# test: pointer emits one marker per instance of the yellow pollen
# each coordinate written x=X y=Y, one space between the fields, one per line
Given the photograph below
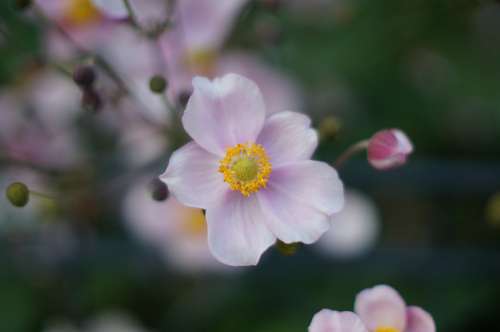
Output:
x=386 y=329
x=246 y=168
x=81 y=12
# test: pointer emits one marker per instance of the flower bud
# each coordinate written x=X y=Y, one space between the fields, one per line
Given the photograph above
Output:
x=159 y=190
x=18 y=194
x=388 y=149
x=287 y=249
x=91 y=100
x=329 y=127
x=158 y=84
x=493 y=210
x=22 y=4
x=183 y=98
x=84 y=76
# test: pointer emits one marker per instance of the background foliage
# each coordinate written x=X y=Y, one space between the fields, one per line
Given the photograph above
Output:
x=430 y=67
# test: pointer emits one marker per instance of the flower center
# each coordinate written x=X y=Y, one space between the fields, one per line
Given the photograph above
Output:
x=246 y=168
x=386 y=329
x=81 y=12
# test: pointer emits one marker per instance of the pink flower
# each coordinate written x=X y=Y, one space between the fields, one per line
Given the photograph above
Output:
x=253 y=175
x=193 y=47
x=388 y=149
x=335 y=321
x=378 y=309
x=80 y=19
x=382 y=309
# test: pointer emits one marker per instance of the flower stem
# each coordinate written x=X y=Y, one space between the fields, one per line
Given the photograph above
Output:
x=42 y=195
x=351 y=151
x=132 y=16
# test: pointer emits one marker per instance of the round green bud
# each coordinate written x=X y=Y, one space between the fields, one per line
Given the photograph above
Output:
x=329 y=127
x=287 y=249
x=18 y=194
x=158 y=84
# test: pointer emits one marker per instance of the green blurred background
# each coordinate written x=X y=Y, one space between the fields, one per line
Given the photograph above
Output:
x=430 y=67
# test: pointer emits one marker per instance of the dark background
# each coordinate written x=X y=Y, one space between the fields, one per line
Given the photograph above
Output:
x=430 y=67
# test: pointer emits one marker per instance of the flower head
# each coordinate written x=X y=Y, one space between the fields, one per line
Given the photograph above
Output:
x=377 y=309
x=252 y=174
x=388 y=149
x=382 y=309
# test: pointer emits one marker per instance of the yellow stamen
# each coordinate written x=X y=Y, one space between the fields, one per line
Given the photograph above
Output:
x=80 y=12
x=386 y=329
x=246 y=168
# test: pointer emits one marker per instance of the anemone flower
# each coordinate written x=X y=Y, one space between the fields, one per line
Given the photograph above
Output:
x=382 y=309
x=253 y=175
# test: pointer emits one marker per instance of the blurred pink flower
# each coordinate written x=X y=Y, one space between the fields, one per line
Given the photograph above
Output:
x=382 y=309
x=37 y=115
x=193 y=47
x=388 y=149
x=253 y=175
x=112 y=321
x=177 y=231
x=80 y=19
x=334 y=321
x=354 y=229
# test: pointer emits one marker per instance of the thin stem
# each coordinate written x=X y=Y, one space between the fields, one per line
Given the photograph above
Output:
x=351 y=151
x=132 y=16
x=99 y=60
x=42 y=195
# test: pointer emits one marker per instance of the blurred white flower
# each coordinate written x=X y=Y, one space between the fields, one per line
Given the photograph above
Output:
x=177 y=231
x=107 y=322
x=37 y=119
x=354 y=229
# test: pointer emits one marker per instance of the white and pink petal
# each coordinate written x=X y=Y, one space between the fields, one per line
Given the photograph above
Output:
x=192 y=176
x=237 y=232
x=299 y=199
x=312 y=183
x=381 y=307
x=419 y=320
x=288 y=137
x=224 y=112
x=334 y=321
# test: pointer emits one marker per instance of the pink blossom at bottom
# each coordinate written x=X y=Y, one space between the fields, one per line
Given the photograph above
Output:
x=334 y=321
x=383 y=307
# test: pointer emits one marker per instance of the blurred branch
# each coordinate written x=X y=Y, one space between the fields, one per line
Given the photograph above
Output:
x=351 y=151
